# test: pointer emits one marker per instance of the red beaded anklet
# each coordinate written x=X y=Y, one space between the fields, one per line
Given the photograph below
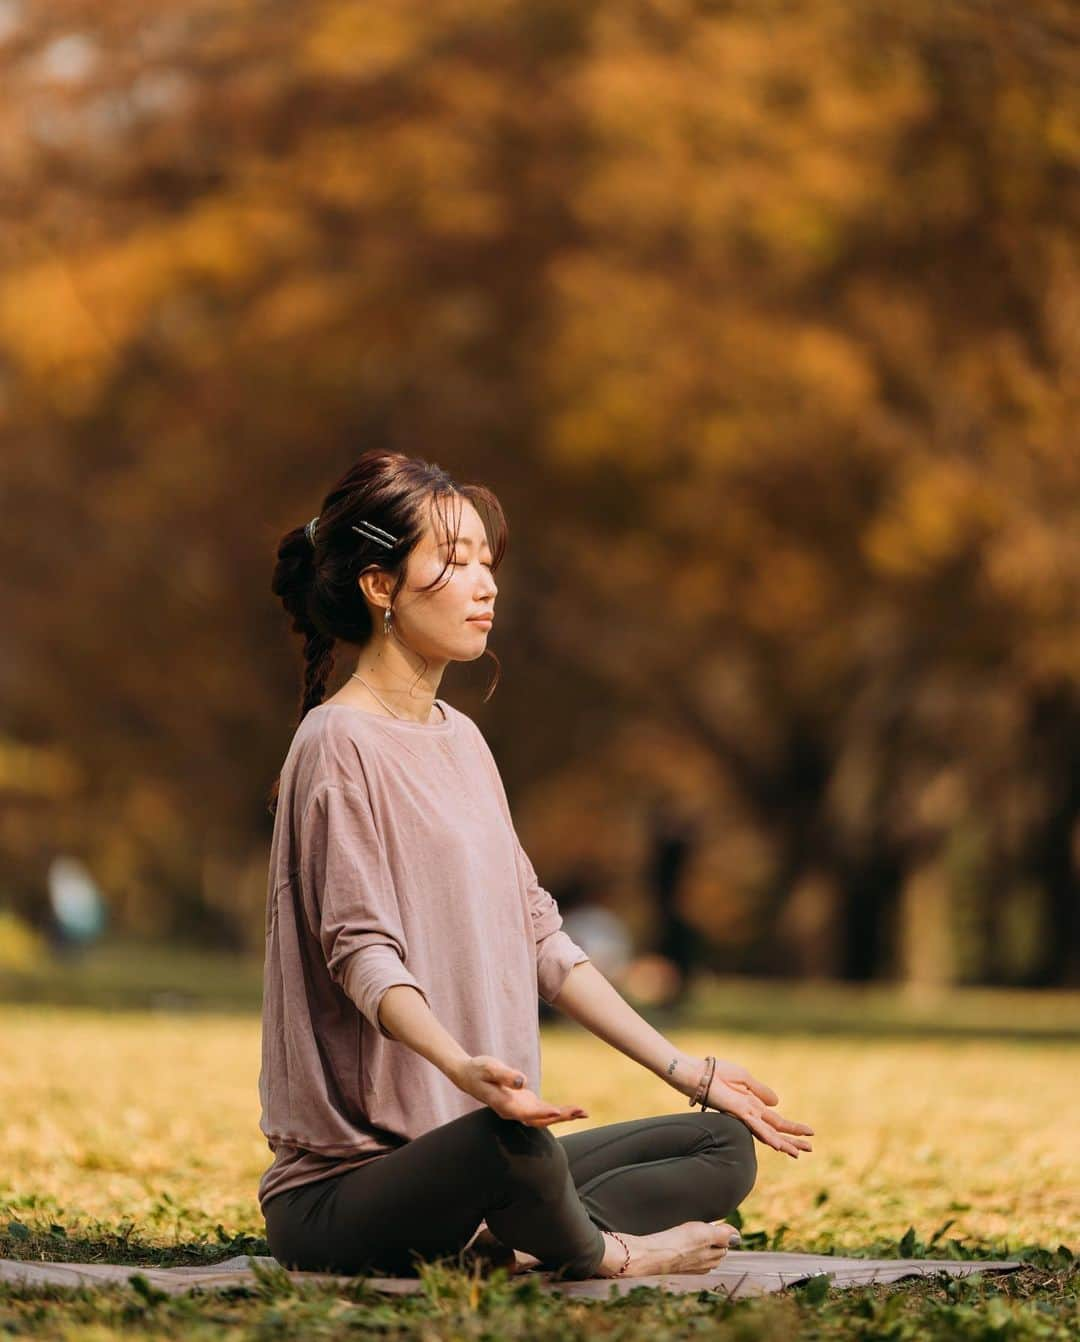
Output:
x=623 y=1242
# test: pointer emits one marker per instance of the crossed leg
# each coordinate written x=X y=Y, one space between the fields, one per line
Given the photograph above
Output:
x=646 y=1174
x=549 y=1196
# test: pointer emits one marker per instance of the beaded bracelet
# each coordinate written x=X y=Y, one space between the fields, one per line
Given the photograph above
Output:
x=701 y=1092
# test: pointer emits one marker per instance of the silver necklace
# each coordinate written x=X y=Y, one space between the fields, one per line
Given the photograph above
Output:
x=354 y=676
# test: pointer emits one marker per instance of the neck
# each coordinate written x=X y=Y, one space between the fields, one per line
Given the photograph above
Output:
x=385 y=676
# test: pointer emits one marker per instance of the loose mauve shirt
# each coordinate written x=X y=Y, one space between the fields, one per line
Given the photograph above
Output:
x=394 y=859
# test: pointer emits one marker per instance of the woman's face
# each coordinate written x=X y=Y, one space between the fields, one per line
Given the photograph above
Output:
x=438 y=624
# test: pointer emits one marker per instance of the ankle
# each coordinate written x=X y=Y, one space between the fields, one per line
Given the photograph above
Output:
x=616 y=1259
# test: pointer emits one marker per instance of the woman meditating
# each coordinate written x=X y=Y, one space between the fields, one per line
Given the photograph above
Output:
x=407 y=938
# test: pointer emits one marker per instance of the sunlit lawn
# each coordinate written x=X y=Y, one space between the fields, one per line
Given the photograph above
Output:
x=135 y=1134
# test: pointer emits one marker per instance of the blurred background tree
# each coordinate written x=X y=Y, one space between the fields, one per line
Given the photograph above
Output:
x=762 y=320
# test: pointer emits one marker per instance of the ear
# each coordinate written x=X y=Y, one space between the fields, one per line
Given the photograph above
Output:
x=376 y=584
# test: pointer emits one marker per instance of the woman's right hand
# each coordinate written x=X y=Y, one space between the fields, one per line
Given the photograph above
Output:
x=503 y=1088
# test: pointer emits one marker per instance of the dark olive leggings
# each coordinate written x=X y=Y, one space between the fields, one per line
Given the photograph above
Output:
x=546 y=1195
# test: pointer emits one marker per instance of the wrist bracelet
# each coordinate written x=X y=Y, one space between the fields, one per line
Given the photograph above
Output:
x=701 y=1091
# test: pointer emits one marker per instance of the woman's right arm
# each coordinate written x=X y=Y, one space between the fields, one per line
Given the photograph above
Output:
x=404 y=1015
x=352 y=908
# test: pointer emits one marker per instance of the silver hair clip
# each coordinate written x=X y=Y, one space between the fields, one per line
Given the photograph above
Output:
x=379 y=534
x=309 y=530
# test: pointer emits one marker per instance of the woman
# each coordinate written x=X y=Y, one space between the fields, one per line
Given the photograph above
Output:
x=407 y=937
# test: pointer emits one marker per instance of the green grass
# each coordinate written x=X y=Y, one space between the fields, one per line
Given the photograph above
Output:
x=145 y=976
x=1032 y=1304
x=151 y=976
x=944 y=1128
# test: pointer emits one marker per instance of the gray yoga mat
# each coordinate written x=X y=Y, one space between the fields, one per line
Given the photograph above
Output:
x=742 y=1273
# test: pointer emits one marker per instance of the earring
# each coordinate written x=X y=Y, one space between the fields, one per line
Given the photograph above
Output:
x=386 y=622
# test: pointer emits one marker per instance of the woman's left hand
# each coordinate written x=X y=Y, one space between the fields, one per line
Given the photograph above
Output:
x=735 y=1090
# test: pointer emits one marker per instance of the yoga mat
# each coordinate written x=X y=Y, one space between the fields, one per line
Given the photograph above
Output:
x=743 y=1272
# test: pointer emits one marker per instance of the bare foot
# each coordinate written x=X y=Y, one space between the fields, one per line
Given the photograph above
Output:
x=693 y=1246
x=488 y=1252
x=524 y=1262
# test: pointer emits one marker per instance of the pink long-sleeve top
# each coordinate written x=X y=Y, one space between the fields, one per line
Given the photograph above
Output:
x=394 y=859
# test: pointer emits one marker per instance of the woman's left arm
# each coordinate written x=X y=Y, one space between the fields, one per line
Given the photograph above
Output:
x=565 y=978
x=594 y=1001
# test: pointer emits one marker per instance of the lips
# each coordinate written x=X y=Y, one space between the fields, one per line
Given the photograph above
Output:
x=481 y=619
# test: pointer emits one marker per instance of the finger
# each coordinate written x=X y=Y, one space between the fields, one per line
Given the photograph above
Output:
x=541 y=1115
x=765 y=1093
x=751 y=1087
x=534 y=1106
x=503 y=1075
x=510 y=1076
x=786 y=1124
x=769 y=1135
x=532 y=1113
x=800 y=1142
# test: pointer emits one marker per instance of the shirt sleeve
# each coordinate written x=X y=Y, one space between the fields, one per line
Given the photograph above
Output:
x=556 y=953
x=350 y=900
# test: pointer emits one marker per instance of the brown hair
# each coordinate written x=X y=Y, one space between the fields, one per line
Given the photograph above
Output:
x=318 y=584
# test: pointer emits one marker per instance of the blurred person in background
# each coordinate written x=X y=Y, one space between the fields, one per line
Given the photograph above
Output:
x=76 y=907
x=591 y=923
x=673 y=838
